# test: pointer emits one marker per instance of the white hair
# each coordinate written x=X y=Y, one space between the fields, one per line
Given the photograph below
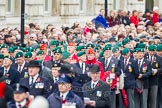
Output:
x=39 y=102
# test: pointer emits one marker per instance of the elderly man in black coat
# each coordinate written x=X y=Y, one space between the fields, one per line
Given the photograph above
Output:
x=97 y=93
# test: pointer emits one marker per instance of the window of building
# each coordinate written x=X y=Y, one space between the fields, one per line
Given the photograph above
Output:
x=81 y=5
x=46 y=5
x=8 y=5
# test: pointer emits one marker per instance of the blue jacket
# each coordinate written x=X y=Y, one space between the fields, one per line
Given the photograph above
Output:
x=131 y=72
x=44 y=90
x=55 y=100
x=100 y=21
x=12 y=77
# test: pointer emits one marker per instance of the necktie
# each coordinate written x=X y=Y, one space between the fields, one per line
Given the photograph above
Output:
x=20 y=69
x=139 y=64
x=32 y=81
x=106 y=61
x=151 y=59
x=19 y=105
x=55 y=80
x=125 y=63
x=93 y=85
x=5 y=72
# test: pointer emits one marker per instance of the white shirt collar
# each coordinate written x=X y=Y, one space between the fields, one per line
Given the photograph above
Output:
x=22 y=103
x=94 y=83
x=64 y=95
x=21 y=65
x=35 y=77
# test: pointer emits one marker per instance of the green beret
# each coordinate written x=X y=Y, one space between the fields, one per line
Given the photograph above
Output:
x=65 y=55
x=152 y=48
x=125 y=51
x=101 y=54
x=140 y=49
x=53 y=42
x=119 y=44
x=91 y=45
x=80 y=54
x=19 y=48
x=8 y=57
x=1 y=56
x=4 y=46
x=57 y=50
x=29 y=49
x=79 y=48
x=40 y=52
x=141 y=45
x=61 y=43
x=108 y=45
x=18 y=55
x=125 y=41
x=11 y=50
x=159 y=47
x=115 y=49
x=28 y=55
x=135 y=50
x=39 y=61
x=96 y=50
x=107 y=48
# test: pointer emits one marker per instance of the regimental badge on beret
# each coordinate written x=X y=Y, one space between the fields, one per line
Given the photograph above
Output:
x=17 y=87
x=55 y=65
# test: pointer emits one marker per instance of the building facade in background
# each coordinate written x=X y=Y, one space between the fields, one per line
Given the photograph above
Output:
x=58 y=12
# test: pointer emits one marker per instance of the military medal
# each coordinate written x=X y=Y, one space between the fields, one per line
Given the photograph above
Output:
x=8 y=81
x=99 y=93
x=113 y=68
x=157 y=65
x=41 y=85
x=130 y=69
x=26 y=75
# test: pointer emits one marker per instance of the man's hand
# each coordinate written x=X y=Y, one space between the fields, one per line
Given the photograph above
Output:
x=154 y=71
x=140 y=76
x=92 y=103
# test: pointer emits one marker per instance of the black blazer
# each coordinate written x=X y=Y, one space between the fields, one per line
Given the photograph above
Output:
x=12 y=76
x=24 y=70
x=101 y=94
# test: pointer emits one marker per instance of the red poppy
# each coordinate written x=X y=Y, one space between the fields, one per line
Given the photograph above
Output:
x=38 y=80
x=63 y=101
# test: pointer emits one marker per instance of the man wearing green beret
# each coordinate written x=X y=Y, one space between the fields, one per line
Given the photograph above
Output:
x=159 y=53
x=80 y=48
x=52 y=44
x=135 y=53
x=130 y=68
x=57 y=57
x=81 y=69
x=40 y=55
x=4 y=49
x=20 y=64
x=28 y=57
x=11 y=51
x=144 y=66
x=116 y=52
x=125 y=42
x=66 y=57
x=110 y=64
x=12 y=75
x=1 y=59
x=156 y=65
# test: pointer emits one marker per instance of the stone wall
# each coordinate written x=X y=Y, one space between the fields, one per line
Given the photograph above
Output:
x=63 y=11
